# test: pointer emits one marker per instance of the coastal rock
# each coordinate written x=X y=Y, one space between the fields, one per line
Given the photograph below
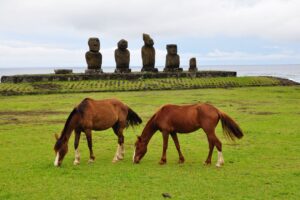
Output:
x=122 y=57
x=172 y=59
x=148 y=54
x=63 y=71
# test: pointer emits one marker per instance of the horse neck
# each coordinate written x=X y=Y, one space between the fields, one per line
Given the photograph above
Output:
x=148 y=131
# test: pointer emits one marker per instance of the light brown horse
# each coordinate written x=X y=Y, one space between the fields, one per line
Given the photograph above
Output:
x=95 y=115
x=173 y=119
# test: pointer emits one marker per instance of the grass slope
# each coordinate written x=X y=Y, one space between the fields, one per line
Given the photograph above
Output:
x=134 y=85
x=265 y=164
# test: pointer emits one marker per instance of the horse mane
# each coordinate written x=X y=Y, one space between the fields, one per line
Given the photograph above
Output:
x=149 y=129
x=64 y=131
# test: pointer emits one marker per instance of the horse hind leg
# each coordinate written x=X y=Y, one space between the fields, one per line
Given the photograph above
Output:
x=214 y=141
x=88 y=134
x=76 y=144
x=118 y=130
x=220 y=161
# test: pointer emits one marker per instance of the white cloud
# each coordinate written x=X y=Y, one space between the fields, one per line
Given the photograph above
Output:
x=19 y=54
x=32 y=32
x=271 y=19
x=240 y=56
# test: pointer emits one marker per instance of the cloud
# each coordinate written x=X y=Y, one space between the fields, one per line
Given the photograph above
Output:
x=239 y=57
x=268 y=19
x=20 y=54
x=37 y=33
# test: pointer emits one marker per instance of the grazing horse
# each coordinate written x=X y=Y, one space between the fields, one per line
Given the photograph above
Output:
x=95 y=115
x=173 y=119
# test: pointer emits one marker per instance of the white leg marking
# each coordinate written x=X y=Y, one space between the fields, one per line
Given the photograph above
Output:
x=122 y=150
x=119 y=153
x=220 y=159
x=56 y=159
x=77 y=157
x=133 y=156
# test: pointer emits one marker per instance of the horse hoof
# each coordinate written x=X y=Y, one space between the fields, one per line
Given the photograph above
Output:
x=117 y=158
x=91 y=161
x=207 y=163
x=120 y=157
x=218 y=165
x=181 y=161
x=76 y=162
x=162 y=162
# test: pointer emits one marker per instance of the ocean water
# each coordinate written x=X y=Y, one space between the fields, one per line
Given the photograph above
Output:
x=291 y=72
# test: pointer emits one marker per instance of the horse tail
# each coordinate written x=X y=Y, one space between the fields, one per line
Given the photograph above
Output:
x=133 y=118
x=230 y=128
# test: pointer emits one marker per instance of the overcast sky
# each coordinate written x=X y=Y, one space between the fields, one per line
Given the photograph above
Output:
x=54 y=33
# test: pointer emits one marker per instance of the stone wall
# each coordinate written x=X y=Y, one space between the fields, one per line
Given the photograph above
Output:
x=108 y=76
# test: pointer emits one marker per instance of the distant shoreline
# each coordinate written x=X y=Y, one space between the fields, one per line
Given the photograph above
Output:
x=289 y=71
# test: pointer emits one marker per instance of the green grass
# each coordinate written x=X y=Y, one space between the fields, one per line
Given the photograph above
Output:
x=265 y=164
x=133 y=85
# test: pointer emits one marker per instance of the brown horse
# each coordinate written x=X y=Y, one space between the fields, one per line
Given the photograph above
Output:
x=95 y=115
x=173 y=119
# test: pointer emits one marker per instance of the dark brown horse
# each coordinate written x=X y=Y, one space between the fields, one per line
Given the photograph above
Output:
x=173 y=119
x=95 y=115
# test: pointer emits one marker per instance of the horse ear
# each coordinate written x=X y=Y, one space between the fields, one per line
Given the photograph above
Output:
x=56 y=136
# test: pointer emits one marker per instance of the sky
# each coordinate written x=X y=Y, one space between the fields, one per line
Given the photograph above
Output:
x=54 y=33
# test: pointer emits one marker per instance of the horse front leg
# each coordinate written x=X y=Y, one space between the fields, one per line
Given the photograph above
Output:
x=76 y=144
x=119 y=155
x=175 y=139
x=163 y=159
x=88 y=134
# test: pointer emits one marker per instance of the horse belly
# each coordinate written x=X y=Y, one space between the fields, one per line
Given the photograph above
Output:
x=103 y=123
x=184 y=126
x=187 y=130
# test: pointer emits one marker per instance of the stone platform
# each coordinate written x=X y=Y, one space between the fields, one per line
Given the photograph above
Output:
x=115 y=76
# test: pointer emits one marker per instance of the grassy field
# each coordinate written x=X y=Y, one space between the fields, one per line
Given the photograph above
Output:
x=135 y=85
x=265 y=164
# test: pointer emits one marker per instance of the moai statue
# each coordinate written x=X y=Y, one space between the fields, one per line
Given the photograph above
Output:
x=148 y=54
x=172 y=59
x=193 y=65
x=93 y=56
x=122 y=57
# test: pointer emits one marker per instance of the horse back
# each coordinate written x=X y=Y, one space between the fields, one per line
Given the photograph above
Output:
x=175 y=118
x=101 y=114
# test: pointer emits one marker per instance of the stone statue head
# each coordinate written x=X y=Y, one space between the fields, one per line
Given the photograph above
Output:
x=148 y=40
x=172 y=49
x=94 y=44
x=193 y=62
x=122 y=44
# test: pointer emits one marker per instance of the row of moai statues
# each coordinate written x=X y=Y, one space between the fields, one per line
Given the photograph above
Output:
x=122 y=57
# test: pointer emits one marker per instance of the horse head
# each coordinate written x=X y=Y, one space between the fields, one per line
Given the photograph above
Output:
x=140 y=150
x=60 y=149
